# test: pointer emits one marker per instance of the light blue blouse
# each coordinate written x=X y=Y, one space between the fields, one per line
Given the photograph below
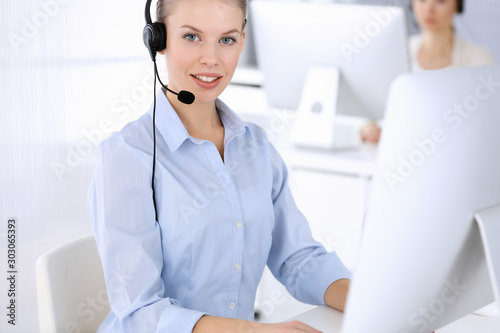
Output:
x=220 y=223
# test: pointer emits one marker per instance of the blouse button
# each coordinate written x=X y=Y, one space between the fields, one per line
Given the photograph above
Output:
x=232 y=306
x=237 y=266
x=239 y=224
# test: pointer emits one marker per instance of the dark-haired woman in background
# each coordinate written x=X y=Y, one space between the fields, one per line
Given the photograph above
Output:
x=437 y=47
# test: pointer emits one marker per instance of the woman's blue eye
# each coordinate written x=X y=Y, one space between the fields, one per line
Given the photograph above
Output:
x=191 y=37
x=228 y=40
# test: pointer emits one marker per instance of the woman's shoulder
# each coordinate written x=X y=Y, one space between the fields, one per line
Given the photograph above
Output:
x=414 y=41
x=257 y=132
x=472 y=54
x=235 y=122
x=135 y=135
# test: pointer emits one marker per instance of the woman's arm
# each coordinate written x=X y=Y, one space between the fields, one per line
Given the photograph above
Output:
x=296 y=259
x=336 y=294
x=370 y=133
x=335 y=297
x=130 y=244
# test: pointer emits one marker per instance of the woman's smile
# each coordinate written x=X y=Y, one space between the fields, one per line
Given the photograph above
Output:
x=206 y=80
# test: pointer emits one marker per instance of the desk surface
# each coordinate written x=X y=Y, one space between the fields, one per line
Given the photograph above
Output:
x=360 y=161
x=322 y=318
x=329 y=320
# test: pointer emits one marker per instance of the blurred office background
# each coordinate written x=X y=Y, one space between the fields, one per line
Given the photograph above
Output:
x=74 y=71
x=477 y=23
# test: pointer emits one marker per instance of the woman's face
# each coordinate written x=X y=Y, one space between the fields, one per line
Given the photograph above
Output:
x=204 y=42
x=434 y=15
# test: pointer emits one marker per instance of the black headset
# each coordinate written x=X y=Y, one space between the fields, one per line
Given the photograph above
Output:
x=154 y=36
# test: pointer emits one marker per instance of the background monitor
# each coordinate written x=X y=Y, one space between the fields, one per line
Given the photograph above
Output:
x=368 y=44
x=422 y=264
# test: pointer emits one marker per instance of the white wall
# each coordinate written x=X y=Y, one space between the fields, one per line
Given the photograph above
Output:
x=72 y=71
x=481 y=24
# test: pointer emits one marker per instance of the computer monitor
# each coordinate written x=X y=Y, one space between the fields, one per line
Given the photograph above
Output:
x=422 y=261
x=367 y=44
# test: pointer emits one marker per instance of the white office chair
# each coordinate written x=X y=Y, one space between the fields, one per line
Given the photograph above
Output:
x=71 y=290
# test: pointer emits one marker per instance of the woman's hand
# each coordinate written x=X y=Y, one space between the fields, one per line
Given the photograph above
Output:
x=370 y=133
x=212 y=324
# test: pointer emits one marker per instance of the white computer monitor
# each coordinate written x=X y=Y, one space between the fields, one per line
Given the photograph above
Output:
x=422 y=262
x=367 y=44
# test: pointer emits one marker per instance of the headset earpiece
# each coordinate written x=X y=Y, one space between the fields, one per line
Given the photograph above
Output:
x=154 y=35
x=155 y=38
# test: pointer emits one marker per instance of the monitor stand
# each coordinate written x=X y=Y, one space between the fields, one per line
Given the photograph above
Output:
x=317 y=123
x=488 y=221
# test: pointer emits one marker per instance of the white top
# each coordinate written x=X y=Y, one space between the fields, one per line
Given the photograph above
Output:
x=465 y=54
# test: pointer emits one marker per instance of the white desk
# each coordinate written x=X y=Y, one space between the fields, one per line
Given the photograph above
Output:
x=329 y=320
x=322 y=318
x=359 y=162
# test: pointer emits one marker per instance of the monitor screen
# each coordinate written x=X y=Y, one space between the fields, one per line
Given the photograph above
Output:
x=422 y=263
x=367 y=44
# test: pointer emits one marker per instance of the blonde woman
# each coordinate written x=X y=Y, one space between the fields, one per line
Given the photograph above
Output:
x=223 y=206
